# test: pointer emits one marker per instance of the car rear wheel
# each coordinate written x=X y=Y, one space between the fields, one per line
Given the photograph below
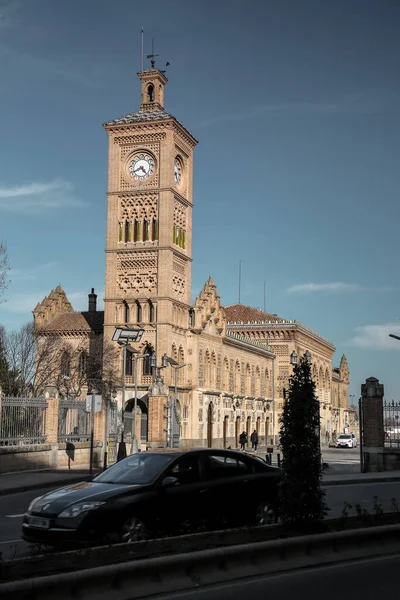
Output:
x=132 y=530
x=265 y=514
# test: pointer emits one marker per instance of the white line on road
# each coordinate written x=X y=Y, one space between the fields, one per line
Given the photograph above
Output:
x=11 y=542
x=14 y=516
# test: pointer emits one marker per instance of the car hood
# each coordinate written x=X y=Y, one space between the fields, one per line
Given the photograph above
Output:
x=53 y=503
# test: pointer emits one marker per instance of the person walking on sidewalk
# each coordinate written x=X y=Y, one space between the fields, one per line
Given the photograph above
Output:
x=327 y=437
x=254 y=440
x=243 y=440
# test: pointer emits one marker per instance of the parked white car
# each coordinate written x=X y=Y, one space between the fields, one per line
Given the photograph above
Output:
x=346 y=440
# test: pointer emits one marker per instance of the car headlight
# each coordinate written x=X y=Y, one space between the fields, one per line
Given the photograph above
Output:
x=77 y=509
x=32 y=504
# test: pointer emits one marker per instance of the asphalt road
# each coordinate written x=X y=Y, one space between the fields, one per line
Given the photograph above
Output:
x=13 y=506
x=371 y=579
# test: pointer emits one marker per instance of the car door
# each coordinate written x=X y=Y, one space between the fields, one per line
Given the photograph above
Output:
x=181 y=502
x=227 y=476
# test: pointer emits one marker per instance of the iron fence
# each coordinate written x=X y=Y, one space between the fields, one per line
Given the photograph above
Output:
x=391 y=423
x=73 y=421
x=22 y=421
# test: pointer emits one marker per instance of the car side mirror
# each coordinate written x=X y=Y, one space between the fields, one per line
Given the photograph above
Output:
x=169 y=482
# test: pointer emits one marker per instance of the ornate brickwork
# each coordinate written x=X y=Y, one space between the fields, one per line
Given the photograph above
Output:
x=179 y=214
x=138 y=273
x=179 y=265
x=178 y=286
x=138 y=206
x=134 y=140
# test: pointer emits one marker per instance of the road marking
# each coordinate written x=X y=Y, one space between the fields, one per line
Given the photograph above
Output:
x=14 y=516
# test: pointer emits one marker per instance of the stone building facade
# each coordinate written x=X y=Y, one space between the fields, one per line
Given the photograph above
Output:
x=237 y=359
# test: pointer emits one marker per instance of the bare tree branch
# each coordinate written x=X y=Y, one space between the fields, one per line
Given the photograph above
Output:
x=4 y=269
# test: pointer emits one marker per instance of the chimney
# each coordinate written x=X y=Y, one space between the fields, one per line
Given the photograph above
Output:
x=92 y=301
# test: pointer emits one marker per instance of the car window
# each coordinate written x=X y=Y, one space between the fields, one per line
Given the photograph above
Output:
x=344 y=436
x=186 y=470
x=226 y=466
x=136 y=469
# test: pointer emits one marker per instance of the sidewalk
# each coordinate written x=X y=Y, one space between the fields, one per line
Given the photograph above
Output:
x=24 y=481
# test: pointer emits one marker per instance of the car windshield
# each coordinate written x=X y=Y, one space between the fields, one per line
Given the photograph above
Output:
x=138 y=468
x=344 y=437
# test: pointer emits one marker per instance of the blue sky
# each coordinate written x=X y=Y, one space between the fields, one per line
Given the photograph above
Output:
x=295 y=105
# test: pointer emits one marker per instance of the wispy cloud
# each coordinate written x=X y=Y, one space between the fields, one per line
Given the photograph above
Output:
x=32 y=273
x=364 y=102
x=376 y=337
x=37 y=196
x=337 y=287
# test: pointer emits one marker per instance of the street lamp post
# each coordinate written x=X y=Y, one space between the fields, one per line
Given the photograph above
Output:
x=135 y=358
x=165 y=362
x=123 y=336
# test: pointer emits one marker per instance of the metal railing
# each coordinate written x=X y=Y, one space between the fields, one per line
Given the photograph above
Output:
x=391 y=424
x=22 y=421
x=73 y=421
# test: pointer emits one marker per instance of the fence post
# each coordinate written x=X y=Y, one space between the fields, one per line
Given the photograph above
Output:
x=52 y=421
x=372 y=421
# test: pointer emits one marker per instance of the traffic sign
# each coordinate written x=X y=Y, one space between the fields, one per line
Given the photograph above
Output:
x=97 y=403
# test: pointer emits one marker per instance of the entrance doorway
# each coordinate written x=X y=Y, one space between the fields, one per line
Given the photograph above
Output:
x=210 y=425
x=248 y=427
x=225 y=431
x=237 y=431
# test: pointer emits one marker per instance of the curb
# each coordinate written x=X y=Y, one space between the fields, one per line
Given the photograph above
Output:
x=183 y=572
x=39 y=486
x=360 y=481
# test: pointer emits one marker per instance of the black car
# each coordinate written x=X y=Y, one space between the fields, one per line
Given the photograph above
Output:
x=153 y=493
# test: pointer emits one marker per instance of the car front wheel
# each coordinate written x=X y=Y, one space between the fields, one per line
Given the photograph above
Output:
x=132 y=530
x=265 y=514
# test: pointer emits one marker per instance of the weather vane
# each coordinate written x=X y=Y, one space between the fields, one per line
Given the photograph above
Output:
x=153 y=55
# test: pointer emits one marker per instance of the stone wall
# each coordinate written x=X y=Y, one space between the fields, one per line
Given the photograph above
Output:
x=48 y=456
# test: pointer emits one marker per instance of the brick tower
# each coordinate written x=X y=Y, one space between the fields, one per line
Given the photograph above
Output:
x=149 y=220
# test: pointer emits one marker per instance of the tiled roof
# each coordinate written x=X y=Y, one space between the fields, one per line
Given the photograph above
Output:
x=77 y=321
x=141 y=115
x=240 y=313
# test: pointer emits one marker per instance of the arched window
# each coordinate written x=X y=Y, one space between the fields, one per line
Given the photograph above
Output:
x=151 y=312
x=225 y=376
x=138 y=312
x=128 y=364
x=126 y=311
x=207 y=369
x=237 y=377
x=248 y=380
x=150 y=93
x=147 y=360
x=82 y=364
x=192 y=321
x=213 y=374
x=65 y=365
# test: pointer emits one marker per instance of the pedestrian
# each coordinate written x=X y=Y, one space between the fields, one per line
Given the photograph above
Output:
x=243 y=440
x=254 y=440
x=327 y=437
x=334 y=436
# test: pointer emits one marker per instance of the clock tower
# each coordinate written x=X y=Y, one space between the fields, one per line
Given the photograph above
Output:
x=149 y=220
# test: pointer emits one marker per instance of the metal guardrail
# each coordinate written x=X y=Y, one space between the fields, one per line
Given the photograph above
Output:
x=174 y=573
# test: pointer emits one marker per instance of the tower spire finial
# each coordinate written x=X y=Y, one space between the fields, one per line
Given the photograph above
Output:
x=153 y=55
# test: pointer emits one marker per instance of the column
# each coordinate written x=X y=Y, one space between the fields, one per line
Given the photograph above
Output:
x=372 y=421
x=52 y=421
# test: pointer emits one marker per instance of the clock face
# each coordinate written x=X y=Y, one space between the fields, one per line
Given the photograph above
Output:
x=177 y=171
x=142 y=166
